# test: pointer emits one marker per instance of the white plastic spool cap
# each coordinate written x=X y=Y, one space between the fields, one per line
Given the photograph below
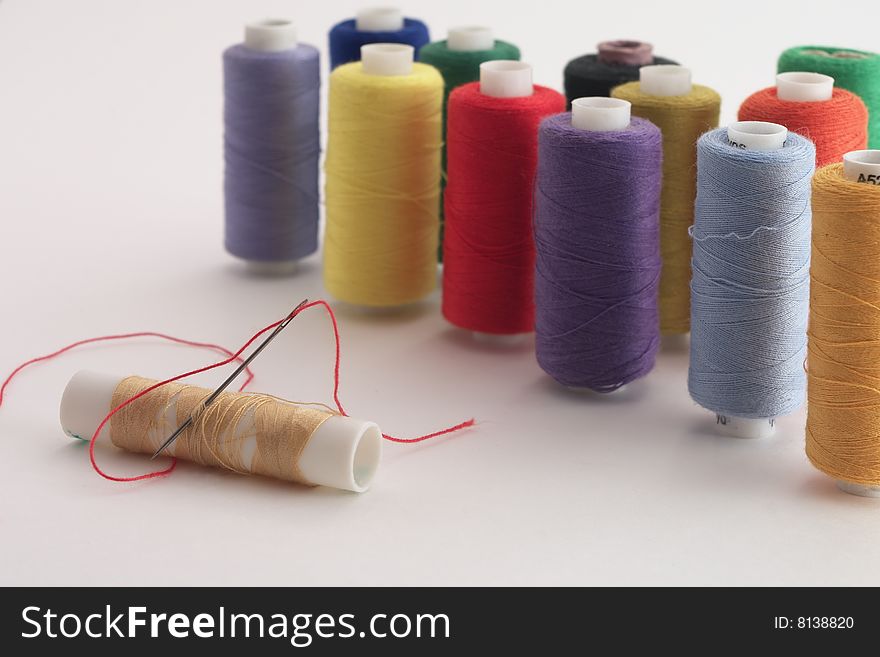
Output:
x=757 y=135
x=270 y=35
x=862 y=166
x=379 y=19
x=470 y=39
x=506 y=78
x=387 y=59
x=600 y=114
x=665 y=80
x=804 y=87
x=343 y=452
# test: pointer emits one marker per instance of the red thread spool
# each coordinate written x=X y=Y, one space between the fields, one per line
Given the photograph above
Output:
x=837 y=126
x=488 y=248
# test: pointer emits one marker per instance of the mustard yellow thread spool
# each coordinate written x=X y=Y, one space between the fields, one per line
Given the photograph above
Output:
x=683 y=111
x=843 y=357
x=383 y=178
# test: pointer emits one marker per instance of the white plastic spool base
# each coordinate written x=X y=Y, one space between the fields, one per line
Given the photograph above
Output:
x=862 y=166
x=665 y=80
x=506 y=78
x=270 y=35
x=858 y=489
x=801 y=87
x=342 y=453
x=387 y=59
x=757 y=135
x=379 y=19
x=600 y=114
x=743 y=427
x=470 y=39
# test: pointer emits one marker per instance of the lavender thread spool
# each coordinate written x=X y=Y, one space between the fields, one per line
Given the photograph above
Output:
x=271 y=146
x=597 y=237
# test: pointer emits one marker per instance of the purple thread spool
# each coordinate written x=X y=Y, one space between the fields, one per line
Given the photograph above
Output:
x=597 y=204
x=271 y=145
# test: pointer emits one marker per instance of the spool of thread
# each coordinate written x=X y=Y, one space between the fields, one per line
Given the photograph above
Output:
x=597 y=238
x=272 y=146
x=374 y=25
x=458 y=59
x=750 y=284
x=683 y=111
x=243 y=432
x=383 y=178
x=857 y=71
x=834 y=119
x=614 y=63
x=488 y=248
x=843 y=410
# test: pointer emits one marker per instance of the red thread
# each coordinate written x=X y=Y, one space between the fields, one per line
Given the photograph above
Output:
x=837 y=126
x=236 y=356
x=488 y=249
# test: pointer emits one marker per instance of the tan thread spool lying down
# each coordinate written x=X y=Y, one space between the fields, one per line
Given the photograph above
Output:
x=223 y=435
x=242 y=432
x=843 y=362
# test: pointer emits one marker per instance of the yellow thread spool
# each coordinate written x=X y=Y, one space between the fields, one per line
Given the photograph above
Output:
x=665 y=96
x=843 y=360
x=383 y=178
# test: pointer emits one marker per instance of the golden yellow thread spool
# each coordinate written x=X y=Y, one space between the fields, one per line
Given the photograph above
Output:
x=383 y=178
x=682 y=116
x=843 y=360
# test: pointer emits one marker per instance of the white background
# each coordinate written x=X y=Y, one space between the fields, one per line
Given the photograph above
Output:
x=111 y=210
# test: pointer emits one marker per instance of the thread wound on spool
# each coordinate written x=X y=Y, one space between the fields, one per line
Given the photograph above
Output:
x=681 y=119
x=589 y=75
x=346 y=40
x=271 y=146
x=383 y=185
x=459 y=67
x=277 y=431
x=843 y=420
x=488 y=248
x=835 y=126
x=857 y=71
x=750 y=277
x=597 y=204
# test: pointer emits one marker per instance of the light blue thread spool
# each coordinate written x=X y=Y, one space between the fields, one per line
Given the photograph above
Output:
x=750 y=275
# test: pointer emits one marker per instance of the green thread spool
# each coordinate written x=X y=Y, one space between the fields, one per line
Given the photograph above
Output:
x=854 y=70
x=458 y=59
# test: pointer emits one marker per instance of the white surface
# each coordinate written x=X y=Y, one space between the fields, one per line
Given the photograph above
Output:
x=469 y=39
x=505 y=78
x=665 y=80
x=110 y=198
x=861 y=163
x=600 y=114
x=757 y=135
x=379 y=19
x=270 y=35
x=387 y=58
x=804 y=87
x=342 y=453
